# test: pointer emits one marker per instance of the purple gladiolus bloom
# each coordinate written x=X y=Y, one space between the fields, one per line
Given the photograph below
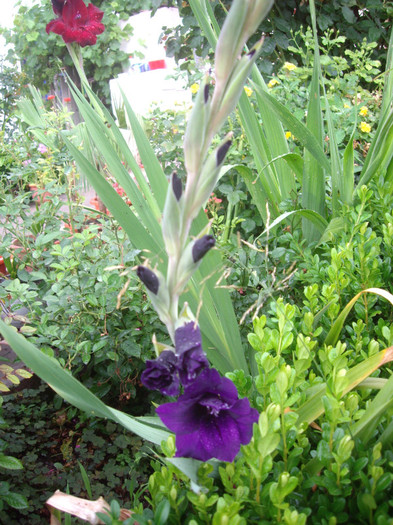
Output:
x=192 y=359
x=161 y=374
x=209 y=419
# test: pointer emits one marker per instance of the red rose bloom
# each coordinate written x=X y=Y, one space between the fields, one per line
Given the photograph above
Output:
x=76 y=22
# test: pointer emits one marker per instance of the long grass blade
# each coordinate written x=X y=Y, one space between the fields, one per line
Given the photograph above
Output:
x=313 y=187
x=299 y=130
x=379 y=406
x=334 y=332
x=313 y=407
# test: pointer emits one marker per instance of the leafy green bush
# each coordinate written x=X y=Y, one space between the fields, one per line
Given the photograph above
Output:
x=291 y=472
x=354 y=20
x=80 y=310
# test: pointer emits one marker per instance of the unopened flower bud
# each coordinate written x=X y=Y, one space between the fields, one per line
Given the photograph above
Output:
x=222 y=151
x=149 y=279
x=191 y=259
x=157 y=290
x=177 y=186
x=206 y=90
x=202 y=246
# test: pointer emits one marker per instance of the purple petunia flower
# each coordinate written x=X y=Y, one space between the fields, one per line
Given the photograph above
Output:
x=209 y=419
x=192 y=359
x=161 y=374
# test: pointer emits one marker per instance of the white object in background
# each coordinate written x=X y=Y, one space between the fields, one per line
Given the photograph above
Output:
x=143 y=88
x=147 y=30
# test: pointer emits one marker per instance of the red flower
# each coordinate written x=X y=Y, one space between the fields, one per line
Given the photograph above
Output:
x=76 y=22
x=50 y=97
x=67 y=99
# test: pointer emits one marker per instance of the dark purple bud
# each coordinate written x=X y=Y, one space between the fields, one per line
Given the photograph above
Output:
x=251 y=53
x=149 y=279
x=206 y=90
x=161 y=374
x=58 y=6
x=222 y=151
x=202 y=246
x=176 y=186
x=191 y=357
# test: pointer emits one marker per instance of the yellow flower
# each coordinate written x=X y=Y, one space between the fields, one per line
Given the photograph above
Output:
x=273 y=82
x=288 y=66
x=288 y=135
x=346 y=106
x=366 y=128
x=363 y=111
x=194 y=88
x=248 y=91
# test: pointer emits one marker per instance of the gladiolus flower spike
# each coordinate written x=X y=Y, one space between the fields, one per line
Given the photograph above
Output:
x=76 y=22
x=208 y=418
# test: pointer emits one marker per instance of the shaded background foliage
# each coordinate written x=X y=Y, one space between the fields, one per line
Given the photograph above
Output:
x=370 y=19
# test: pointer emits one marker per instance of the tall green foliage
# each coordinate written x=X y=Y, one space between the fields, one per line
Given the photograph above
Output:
x=356 y=20
x=322 y=178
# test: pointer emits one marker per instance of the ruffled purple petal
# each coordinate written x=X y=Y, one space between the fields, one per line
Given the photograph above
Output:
x=190 y=364
x=209 y=419
x=181 y=417
x=211 y=381
x=245 y=416
x=161 y=374
x=192 y=358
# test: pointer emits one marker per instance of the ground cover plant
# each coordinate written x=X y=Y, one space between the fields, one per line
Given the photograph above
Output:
x=305 y=391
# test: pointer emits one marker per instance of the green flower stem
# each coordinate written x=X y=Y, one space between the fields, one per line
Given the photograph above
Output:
x=75 y=52
x=203 y=167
